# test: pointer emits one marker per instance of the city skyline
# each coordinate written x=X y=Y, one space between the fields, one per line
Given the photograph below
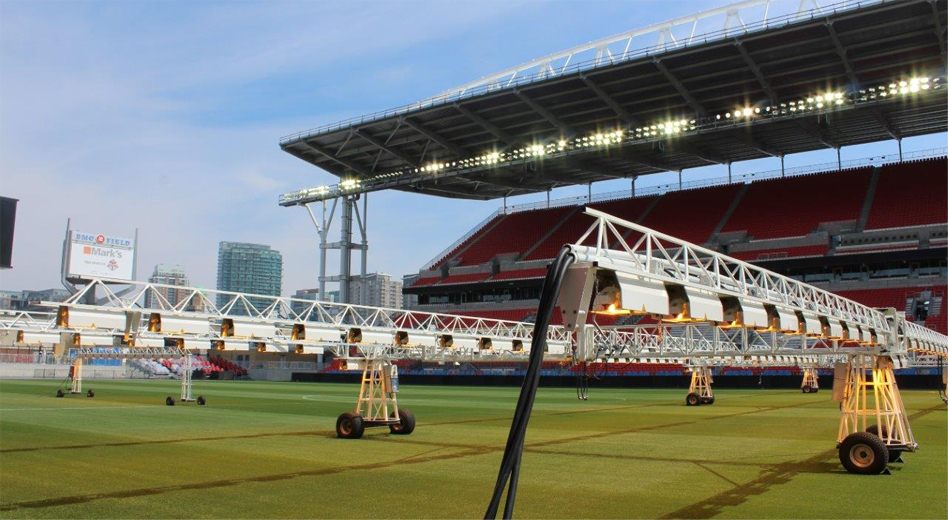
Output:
x=183 y=145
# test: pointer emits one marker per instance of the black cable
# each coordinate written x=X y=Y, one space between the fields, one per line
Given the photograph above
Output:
x=509 y=472
x=510 y=464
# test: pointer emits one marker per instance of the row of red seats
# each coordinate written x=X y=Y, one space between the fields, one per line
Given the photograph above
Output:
x=578 y=222
x=691 y=215
x=514 y=234
x=910 y=194
x=623 y=368
x=796 y=206
x=471 y=239
x=782 y=252
x=889 y=297
x=520 y=274
x=227 y=365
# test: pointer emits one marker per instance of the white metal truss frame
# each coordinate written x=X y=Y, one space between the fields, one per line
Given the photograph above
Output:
x=32 y=320
x=686 y=340
x=719 y=23
x=288 y=311
x=630 y=248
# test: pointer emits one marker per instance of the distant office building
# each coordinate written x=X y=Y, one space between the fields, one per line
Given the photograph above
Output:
x=172 y=275
x=8 y=297
x=249 y=268
x=331 y=296
x=30 y=300
x=376 y=290
x=304 y=294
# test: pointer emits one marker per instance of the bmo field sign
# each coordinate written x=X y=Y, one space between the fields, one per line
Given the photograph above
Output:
x=100 y=256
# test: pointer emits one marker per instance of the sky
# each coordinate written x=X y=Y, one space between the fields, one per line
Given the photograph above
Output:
x=165 y=117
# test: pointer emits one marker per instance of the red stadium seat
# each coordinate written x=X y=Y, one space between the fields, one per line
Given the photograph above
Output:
x=910 y=194
x=796 y=206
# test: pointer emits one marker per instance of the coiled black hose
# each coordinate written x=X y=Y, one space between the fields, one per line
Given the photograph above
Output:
x=510 y=465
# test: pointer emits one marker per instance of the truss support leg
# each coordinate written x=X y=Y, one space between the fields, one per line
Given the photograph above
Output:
x=943 y=390
x=186 y=387
x=75 y=383
x=699 y=392
x=811 y=381
x=873 y=426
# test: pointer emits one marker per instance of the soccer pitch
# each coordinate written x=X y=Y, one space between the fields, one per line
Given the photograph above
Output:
x=263 y=449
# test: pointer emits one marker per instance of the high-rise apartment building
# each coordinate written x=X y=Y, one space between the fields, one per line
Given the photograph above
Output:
x=376 y=290
x=171 y=275
x=249 y=268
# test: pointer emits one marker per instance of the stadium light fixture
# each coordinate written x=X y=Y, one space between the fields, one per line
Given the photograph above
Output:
x=349 y=184
x=817 y=101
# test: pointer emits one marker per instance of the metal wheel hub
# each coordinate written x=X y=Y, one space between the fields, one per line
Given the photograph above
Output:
x=862 y=455
x=345 y=427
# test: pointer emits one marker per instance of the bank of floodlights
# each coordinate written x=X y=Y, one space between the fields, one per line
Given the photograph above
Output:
x=603 y=139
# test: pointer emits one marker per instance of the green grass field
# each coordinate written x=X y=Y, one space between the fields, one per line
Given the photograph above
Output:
x=269 y=450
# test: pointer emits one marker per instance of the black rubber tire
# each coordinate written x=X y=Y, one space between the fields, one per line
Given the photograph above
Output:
x=814 y=389
x=692 y=399
x=169 y=401
x=201 y=401
x=711 y=400
x=894 y=453
x=806 y=389
x=349 y=426
x=59 y=393
x=90 y=393
x=406 y=423
x=863 y=453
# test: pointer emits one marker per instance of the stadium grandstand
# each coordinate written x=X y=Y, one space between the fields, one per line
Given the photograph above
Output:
x=859 y=232
x=823 y=76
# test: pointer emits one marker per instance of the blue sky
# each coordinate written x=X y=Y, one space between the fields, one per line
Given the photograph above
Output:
x=165 y=116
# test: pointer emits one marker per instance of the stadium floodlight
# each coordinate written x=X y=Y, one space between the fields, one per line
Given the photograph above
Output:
x=349 y=184
x=816 y=101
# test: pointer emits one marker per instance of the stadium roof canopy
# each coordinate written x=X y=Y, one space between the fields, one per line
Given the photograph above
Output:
x=834 y=75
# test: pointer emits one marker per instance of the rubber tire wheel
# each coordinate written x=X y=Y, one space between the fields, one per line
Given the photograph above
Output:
x=710 y=400
x=806 y=389
x=349 y=426
x=169 y=401
x=868 y=447
x=406 y=423
x=59 y=393
x=201 y=401
x=90 y=393
x=894 y=453
x=692 y=400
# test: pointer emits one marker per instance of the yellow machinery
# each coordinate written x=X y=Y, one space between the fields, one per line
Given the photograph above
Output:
x=873 y=427
x=699 y=392
x=377 y=404
x=811 y=381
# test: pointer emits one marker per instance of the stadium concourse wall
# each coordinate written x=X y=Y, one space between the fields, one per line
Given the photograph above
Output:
x=922 y=378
